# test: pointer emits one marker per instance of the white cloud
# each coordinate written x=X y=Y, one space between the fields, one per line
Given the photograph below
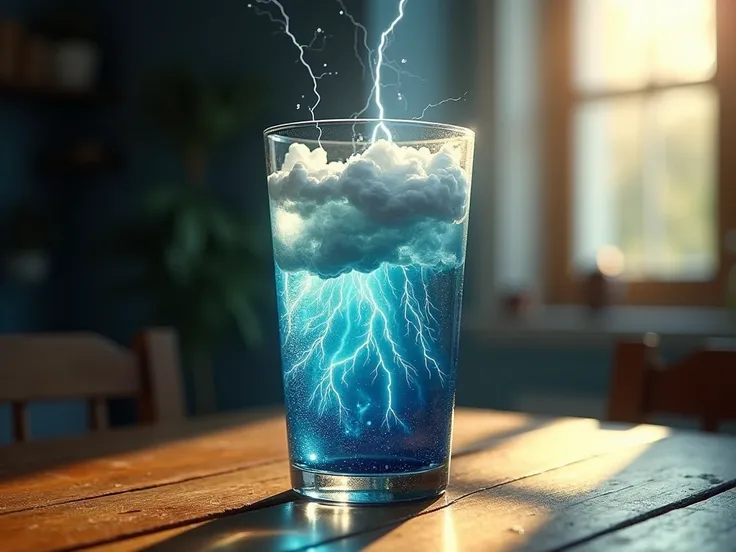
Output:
x=390 y=204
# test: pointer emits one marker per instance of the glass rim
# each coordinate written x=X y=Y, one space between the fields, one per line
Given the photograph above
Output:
x=460 y=130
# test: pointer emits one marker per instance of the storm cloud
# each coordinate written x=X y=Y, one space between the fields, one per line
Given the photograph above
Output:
x=390 y=204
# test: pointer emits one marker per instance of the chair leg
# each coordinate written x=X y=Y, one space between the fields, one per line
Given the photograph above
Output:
x=21 y=424
x=628 y=383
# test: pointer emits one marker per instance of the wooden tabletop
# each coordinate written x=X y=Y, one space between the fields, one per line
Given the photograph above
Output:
x=518 y=483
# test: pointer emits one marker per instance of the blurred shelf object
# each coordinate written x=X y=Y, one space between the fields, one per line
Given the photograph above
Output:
x=84 y=158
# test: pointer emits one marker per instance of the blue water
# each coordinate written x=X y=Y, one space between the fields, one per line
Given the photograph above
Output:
x=369 y=368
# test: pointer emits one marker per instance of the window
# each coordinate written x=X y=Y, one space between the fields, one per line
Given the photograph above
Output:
x=640 y=100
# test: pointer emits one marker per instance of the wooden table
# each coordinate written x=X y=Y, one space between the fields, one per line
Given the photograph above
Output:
x=518 y=483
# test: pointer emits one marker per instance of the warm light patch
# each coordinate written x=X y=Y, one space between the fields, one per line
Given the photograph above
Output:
x=610 y=261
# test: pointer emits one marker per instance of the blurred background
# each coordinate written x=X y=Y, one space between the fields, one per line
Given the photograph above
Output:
x=133 y=192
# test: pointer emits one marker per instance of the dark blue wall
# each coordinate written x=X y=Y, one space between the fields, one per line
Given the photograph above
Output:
x=139 y=37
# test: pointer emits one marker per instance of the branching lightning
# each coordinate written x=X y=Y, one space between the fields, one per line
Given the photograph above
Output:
x=433 y=105
x=286 y=22
x=380 y=325
x=375 y=63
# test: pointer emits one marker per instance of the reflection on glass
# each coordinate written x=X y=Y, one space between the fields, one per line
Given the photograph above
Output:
x=627 y=44
x=645 y=182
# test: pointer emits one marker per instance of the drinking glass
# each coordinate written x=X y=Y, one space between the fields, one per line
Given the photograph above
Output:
x=369 y=222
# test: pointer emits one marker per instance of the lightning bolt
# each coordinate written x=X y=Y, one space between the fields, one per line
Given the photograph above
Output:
x=432 y=106
x=286 y=22
x=376 y=329
x=375 y=63
x=377 y=78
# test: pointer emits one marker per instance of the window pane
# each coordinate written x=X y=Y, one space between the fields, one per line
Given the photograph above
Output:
x=645 y=183
x=608 y=173
x=610 y=39
x=684 y=239
x=685 y=49
x=628 y=44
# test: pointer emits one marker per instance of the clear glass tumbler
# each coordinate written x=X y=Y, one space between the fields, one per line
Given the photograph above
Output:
x=369 y=224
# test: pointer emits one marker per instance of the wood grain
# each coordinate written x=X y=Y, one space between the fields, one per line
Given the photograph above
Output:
x=149 y=461
x=530 y=483
x=560 y=508
x=42 y=474
x=113 y=517
x=707 y=526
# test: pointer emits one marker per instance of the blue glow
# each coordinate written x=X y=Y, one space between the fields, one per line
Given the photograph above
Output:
x=369 y=364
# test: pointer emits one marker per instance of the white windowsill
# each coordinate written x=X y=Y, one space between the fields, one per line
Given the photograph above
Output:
x=575 y=325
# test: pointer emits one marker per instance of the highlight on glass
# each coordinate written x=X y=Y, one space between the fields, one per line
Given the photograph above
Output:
x=369 y=222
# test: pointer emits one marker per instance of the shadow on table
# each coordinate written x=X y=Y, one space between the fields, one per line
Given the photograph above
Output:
x=288 y=522
x=22 y=460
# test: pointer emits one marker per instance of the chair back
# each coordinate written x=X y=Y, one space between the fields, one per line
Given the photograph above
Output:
x=47 y=367
x=702 y=385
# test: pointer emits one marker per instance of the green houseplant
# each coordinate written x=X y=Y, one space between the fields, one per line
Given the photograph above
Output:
x=203 y=268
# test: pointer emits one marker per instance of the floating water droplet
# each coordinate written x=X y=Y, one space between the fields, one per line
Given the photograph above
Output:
x=325 y=65
x=342 y=12
x=319 y=29
x=403 y=60
x=298 y=106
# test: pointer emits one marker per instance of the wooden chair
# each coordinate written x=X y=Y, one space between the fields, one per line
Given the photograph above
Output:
x=702 y=385
x=90 y=367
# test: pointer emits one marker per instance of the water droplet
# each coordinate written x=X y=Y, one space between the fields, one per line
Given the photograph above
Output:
x=342 y=12
x=325 y=65
x=336 y=72
x=368 y=422
x=319 y=29
x=403 y=60
x=298 y=106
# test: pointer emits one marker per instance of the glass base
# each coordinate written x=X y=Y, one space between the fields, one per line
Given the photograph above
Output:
x=369 y=489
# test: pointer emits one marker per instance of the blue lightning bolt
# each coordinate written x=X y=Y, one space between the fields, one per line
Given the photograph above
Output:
x=377 y=79
x=286 y=22
x=433 y=105
x=347 y=327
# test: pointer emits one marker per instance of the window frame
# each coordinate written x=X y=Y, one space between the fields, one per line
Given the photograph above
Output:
x=558 y=103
